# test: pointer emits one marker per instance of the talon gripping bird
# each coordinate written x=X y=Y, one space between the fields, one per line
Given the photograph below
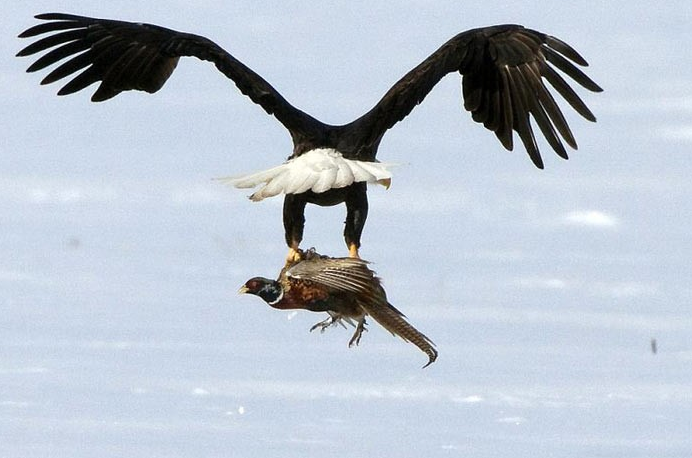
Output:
x=345 y=288
x=503 y=70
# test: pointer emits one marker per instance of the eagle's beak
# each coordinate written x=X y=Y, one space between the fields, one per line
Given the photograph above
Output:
x=243 y=289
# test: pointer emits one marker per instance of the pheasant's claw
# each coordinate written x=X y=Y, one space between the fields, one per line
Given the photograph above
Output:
x=358 y=334
x=323 y=325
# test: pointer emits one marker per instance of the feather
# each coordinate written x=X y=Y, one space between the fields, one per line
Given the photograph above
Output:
x=318 y=170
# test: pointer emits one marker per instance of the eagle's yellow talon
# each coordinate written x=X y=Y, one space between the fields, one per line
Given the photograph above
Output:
x=293 y=256
x=353 y=251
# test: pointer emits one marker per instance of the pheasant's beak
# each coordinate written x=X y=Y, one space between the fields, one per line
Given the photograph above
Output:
x=243 y=289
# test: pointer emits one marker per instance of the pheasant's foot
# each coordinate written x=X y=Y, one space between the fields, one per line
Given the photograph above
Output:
x=359 y=332
x=322 y=325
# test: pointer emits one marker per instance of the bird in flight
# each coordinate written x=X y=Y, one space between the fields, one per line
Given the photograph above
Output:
x=345 y=288
x=503 y=70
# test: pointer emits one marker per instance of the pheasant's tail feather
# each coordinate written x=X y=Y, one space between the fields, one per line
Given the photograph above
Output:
x=395 y=322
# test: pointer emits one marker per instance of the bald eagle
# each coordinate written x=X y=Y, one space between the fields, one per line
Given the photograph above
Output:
x=503 y=70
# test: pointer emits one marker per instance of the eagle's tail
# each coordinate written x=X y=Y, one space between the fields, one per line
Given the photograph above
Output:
x=318 y=170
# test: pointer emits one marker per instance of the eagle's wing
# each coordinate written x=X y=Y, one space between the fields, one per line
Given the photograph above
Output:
x=503 y=72
x=127 y=56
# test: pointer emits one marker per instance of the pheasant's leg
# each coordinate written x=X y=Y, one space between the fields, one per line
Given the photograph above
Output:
x=359 y=331
x=322 y=325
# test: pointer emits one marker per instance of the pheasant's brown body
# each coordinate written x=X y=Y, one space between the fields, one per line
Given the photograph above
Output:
x=345 y=288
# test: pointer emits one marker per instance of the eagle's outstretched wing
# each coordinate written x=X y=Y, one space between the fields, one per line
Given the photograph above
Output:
x=127 y=56
x=503 y=71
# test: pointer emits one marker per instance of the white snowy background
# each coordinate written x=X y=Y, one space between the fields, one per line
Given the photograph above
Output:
x=121 y=333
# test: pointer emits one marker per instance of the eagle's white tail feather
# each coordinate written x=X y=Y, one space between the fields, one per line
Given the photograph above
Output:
x=344 y=176
x=325 y=180
x=318 y=170
x=301 y=184
x=376 y=172
x=251 y=180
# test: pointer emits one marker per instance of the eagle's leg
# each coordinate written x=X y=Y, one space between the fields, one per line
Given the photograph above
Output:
x=356 y=214
x=359 y=331
x=294 y=223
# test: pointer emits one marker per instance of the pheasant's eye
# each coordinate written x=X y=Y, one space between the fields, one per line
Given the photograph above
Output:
x=253 y=285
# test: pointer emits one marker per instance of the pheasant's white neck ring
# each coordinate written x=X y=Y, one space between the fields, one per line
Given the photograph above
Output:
x=278 y=298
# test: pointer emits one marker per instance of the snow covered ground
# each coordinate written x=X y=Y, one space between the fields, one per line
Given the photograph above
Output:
x=121 y=330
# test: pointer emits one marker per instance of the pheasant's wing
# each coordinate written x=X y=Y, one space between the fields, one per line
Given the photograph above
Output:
x=339 y=274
